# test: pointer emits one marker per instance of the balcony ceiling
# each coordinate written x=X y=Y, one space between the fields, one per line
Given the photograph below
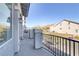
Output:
x=24 y=7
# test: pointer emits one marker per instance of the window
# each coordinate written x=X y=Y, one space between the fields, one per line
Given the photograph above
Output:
x=60 y=28
x=68 y=27
x=68 y=23
x=76 y=31
x=61 y=24
x=5 y=23
x=53 y=31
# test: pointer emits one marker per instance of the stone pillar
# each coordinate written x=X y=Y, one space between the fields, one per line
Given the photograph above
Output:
x=38 y=39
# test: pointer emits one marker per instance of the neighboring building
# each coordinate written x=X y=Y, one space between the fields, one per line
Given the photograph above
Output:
x=66 y=27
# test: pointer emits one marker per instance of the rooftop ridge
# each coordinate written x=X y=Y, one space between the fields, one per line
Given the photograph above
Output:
x=67 y=21
x=71 y=21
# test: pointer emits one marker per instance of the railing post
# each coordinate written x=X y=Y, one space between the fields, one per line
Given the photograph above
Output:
x=69 y=48
x=60 y=46
x=55 y=45
x=49 y=41
x=66 y=47
x=63 y=46
x=78 y=49
x=73 y=48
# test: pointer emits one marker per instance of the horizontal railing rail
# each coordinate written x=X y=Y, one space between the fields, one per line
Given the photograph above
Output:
x=61 y=46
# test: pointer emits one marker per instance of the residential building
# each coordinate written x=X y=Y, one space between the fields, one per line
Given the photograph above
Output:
x=66 y=27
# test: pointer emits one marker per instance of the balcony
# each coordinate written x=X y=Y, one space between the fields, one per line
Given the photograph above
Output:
x=33 y=43
x=52 y=45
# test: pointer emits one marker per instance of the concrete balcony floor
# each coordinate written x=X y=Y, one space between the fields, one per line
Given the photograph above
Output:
x=27 y=49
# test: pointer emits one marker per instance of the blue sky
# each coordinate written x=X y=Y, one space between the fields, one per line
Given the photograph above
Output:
x=51 y=13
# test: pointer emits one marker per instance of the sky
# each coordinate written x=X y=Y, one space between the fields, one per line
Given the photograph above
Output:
x=51 y=13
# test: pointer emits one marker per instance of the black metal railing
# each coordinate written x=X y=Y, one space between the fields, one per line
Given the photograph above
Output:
x=61 y=46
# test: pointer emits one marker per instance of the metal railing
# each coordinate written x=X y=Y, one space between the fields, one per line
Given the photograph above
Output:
x=61 y=46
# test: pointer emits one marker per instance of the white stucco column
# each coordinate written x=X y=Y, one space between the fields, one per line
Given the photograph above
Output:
x=21 y=27
x=15 y=27
x=38 y=39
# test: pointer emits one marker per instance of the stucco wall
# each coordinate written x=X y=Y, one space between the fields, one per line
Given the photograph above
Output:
x=65 y=28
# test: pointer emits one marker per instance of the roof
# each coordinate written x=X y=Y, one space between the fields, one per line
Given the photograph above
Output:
x=68 y=21
x=71 y=21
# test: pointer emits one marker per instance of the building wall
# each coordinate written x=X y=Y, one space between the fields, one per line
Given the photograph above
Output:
x=66 y=27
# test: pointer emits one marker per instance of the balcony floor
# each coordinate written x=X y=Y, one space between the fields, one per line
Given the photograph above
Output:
x=27 y=49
